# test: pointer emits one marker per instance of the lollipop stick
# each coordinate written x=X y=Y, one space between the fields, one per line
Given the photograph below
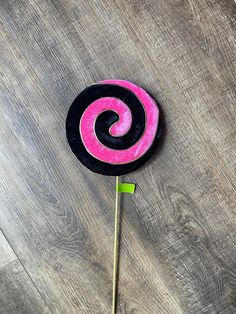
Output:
x=120 y=188
x=116 y=249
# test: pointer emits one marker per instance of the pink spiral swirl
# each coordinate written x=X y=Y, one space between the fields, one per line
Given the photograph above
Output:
x=114 y=156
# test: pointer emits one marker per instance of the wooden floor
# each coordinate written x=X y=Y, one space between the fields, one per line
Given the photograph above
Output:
x=178 y=251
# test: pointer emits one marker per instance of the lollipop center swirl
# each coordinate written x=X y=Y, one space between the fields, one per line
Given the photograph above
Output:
x=120 y=127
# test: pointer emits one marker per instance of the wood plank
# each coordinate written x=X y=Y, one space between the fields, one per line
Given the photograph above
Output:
x=17 y=293
x=178 y=234
x=7 y=255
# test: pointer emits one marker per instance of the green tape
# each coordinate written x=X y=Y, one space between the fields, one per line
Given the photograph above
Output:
x=126 y=187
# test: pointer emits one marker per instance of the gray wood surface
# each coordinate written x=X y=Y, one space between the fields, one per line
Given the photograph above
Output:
x=178 y=237
x=18 y=295
x=7 y=255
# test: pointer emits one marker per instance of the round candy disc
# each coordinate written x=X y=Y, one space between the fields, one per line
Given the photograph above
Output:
x=112 y=127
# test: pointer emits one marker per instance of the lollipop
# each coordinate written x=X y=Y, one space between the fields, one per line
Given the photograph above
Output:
x=112 y=128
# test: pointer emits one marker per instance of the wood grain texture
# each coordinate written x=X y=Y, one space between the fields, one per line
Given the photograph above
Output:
x=179 y=228
x=7 y=255
x=17 y=293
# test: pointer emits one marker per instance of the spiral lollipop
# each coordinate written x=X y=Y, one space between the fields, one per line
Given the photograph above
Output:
x=112 y=128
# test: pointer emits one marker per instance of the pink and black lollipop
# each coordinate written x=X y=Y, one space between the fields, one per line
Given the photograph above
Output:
x=112 y=127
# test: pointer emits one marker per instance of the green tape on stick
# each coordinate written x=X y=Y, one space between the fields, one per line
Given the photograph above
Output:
x=126 y=187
